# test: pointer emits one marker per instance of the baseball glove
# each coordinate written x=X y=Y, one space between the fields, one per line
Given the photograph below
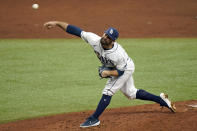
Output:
x=103 y=68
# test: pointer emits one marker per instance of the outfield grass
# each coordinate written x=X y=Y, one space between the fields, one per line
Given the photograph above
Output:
x=50 y=76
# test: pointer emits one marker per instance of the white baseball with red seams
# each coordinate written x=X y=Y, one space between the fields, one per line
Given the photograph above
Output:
x=35 y=6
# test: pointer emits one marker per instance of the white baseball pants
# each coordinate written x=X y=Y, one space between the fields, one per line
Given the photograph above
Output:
x=125 y=83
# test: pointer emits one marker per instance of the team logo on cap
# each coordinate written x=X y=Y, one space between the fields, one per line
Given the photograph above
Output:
x=111 y=31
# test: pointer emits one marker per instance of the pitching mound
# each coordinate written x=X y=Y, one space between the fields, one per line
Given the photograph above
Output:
x=137 y=118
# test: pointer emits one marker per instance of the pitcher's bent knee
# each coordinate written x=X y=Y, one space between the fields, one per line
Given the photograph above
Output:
x=131 y=95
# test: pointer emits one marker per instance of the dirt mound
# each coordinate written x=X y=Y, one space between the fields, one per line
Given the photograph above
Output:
x=137 y=118
x=152 y=18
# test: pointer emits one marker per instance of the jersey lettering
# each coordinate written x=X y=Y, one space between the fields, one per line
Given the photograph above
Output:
x=104 y=60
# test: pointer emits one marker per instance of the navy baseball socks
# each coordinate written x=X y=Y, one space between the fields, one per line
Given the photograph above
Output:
x=93 y=119
x=162 y=99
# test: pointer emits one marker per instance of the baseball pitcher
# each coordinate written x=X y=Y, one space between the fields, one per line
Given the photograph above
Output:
x=117 y=66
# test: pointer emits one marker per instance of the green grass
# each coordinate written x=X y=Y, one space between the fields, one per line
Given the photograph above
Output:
x=41 y=77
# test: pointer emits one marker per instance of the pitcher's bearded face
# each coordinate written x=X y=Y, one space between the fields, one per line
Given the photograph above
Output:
x=106 y=40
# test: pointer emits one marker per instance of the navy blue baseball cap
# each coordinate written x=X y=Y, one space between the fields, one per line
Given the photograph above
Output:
x=112 y=33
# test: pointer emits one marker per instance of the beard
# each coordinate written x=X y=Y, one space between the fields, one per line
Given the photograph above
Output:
x=104 y=42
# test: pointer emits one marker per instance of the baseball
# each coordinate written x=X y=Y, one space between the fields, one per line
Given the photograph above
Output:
x=35 y=6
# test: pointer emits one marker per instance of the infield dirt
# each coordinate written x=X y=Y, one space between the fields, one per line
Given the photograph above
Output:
x=136 y=118
x=142 y=18
x=133 y=19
